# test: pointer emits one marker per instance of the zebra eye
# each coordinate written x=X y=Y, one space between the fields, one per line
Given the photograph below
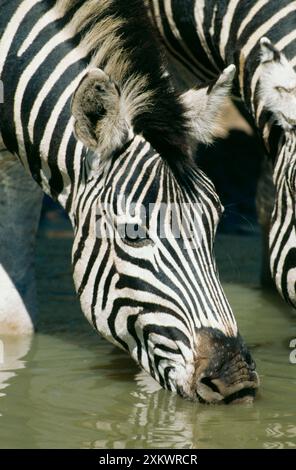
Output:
x=281 y=89
x=135 y=235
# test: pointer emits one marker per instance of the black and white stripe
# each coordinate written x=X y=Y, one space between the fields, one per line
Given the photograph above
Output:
x=159 y=297
x=204 y=36
x=152 y=291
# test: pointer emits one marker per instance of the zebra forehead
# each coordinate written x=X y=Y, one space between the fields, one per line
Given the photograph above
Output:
x=139 y=178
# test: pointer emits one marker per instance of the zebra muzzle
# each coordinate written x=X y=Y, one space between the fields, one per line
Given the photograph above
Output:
x=225 y=371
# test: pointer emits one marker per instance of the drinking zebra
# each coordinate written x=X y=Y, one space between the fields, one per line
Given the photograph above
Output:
x=258 y=36
x=127 y=186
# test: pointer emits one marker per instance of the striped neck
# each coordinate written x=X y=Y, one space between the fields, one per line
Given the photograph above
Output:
x=283 y=222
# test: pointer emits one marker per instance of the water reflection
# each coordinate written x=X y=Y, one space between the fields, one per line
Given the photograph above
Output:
x=158 y=419
x=280 y=436
x=12 y=358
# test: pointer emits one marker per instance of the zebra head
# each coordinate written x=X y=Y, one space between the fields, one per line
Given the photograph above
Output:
x=278 y=95
x=143 y=256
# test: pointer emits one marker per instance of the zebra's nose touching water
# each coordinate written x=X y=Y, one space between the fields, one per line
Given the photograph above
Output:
x=152 y=286
x=225 y=369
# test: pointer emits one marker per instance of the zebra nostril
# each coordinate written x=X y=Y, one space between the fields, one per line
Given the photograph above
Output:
x=208 y=382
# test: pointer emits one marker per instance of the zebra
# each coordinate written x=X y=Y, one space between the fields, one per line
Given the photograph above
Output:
x=258 y=36
x=98 y=125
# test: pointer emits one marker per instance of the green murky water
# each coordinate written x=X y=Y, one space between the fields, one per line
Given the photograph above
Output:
x=69 y=388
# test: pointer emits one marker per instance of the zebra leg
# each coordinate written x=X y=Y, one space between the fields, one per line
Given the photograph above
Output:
x=20 y=204
x=265 y=203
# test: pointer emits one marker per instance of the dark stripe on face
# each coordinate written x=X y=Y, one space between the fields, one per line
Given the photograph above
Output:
x=84 y=235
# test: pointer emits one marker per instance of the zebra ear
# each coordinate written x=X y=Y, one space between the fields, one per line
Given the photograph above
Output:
x=277 y=85
x=269 y=53
x=101 y=120
x=204 y=107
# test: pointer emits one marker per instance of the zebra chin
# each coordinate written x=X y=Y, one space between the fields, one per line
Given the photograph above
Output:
x=224 y=370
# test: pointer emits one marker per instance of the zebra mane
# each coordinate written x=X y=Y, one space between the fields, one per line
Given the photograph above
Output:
x=122 y=41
